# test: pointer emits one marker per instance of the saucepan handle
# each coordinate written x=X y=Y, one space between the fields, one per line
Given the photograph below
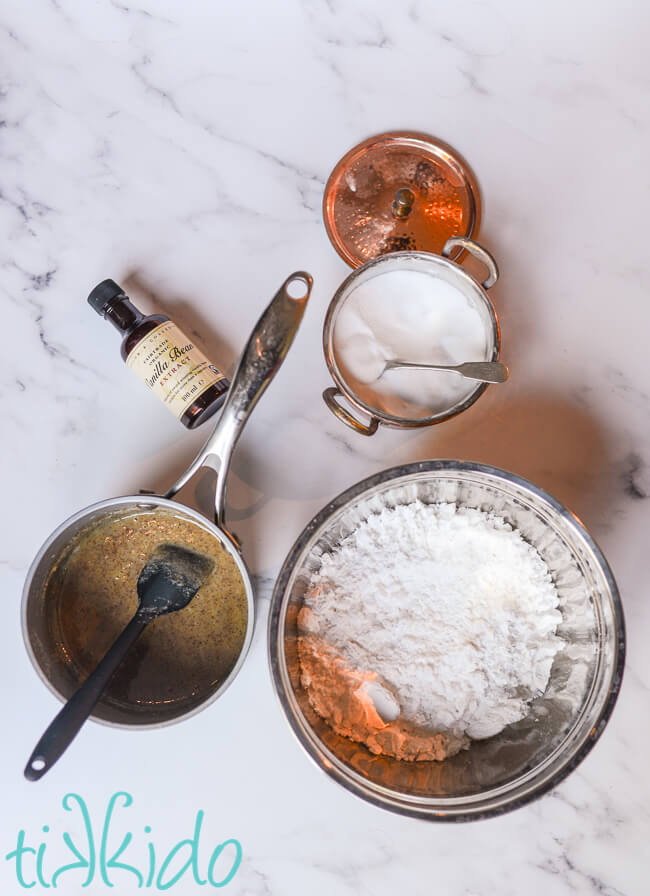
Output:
x=264 y=353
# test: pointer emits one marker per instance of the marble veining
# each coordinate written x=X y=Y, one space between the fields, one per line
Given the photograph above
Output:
x=183 y=149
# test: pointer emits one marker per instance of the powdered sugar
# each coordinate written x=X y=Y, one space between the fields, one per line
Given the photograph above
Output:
x=450 y=609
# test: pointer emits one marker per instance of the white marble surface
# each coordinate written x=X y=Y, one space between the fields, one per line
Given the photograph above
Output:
x=182 y=148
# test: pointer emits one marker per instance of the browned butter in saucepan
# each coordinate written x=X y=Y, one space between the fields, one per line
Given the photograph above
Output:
x=91 y=595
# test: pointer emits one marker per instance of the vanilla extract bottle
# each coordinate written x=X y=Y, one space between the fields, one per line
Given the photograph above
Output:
x=167 y=361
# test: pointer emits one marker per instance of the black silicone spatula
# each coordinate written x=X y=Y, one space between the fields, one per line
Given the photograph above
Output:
x=167 y=583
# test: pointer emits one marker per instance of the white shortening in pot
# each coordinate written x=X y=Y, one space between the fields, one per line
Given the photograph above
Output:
x=475 y=328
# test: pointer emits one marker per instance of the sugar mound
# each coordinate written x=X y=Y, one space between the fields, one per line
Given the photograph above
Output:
x=449 y=609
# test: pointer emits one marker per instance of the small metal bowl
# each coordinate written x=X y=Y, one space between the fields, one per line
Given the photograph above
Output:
x=527 y=758
x=438 y=265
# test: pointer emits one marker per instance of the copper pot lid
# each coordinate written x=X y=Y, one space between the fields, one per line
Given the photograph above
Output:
x=399 y=191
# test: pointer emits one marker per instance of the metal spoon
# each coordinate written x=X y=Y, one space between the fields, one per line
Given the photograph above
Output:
x=485 y=371
x=167 y=583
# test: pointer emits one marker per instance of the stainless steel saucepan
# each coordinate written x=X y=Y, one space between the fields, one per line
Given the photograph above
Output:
x=263 y=355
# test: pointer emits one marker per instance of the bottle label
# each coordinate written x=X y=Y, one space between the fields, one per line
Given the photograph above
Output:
x=173 y=367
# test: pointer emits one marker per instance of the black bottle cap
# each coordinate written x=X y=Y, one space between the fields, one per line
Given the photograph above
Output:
x=103 y=293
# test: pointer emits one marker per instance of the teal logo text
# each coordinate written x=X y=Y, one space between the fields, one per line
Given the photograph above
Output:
x=108 y=855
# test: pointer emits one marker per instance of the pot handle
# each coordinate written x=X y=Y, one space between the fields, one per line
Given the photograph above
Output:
x=265 y=351
x=463 y=242
x=329 y=397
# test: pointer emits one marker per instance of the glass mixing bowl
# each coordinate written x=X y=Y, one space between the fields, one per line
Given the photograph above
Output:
x=527 y=758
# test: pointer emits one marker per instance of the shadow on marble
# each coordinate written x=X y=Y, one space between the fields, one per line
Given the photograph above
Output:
x=543 y=437
x=187 y=316
x=516 y=296
x=200 y=490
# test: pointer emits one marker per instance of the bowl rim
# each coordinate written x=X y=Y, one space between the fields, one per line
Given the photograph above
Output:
x=276 y=654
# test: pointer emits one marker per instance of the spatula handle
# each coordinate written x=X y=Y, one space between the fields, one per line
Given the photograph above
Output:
x=65 y=726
